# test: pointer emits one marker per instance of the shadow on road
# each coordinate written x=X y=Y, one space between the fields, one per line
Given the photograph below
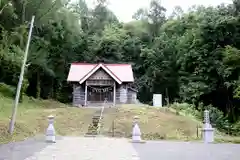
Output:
x=167 y=150
x=22 y=150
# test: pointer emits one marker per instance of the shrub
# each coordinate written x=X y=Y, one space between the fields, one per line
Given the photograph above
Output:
x=10 y=91
x=6 y=90
x=217 y=118
x=187 y=109
x=235 y=129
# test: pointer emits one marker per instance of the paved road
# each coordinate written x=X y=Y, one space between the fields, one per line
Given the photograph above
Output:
x=100 y=148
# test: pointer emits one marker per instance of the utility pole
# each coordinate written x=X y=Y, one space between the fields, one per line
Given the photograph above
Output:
x=14 y=111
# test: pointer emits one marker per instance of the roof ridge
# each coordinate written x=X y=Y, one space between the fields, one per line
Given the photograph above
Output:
x=92 y=71
x=120 y=72
x=89 y=71
x=106 y=64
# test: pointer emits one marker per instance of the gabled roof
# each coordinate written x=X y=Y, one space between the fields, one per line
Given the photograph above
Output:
x=80 y=72
x=100 y=65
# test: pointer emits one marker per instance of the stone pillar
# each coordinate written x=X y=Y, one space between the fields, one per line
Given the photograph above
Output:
x=136 y=132
x=50 y=133
x=208 y=131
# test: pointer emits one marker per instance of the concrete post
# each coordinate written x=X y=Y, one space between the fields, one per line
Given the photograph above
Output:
x=136 y=132
x=50 y=133
x=208 y=131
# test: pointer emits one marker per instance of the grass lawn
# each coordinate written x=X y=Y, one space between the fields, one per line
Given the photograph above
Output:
x=155 y=123
x=32 y=118
x=162 y=123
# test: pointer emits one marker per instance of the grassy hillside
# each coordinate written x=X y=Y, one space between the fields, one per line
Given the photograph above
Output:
x=32 y=118
x=154 y=123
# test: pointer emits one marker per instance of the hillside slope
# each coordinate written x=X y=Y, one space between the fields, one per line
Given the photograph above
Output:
x=32 y=115
x=155 y=123
x=32 y=120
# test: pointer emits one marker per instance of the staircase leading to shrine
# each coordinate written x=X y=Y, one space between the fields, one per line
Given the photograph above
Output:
x=97 y=127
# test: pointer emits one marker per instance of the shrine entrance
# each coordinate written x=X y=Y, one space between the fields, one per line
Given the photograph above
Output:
x=100 y=88
x=98 y=94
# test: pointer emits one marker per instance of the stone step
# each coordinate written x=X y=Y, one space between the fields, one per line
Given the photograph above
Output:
x=108 y=116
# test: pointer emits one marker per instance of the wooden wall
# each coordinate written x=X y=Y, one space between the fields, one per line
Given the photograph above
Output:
x=124 y=95
x=132 y=96
x=121 y=94
x=78 y=95
x=101 y=78
x=100 y=74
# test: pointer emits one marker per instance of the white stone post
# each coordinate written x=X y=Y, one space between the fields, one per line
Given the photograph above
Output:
x=136 y=132
x=208 y=131
x=50 y=133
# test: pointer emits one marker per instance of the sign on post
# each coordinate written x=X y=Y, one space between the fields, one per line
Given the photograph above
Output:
x=157 y=100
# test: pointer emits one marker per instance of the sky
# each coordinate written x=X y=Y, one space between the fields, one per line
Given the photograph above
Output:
x=124 y=9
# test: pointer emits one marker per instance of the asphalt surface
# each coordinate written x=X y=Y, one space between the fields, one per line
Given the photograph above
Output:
x=100 y=148
x=24 y=149
x=168 y=150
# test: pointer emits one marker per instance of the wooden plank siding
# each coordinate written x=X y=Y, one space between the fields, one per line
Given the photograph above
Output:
x=100 y=75
x=101 y=79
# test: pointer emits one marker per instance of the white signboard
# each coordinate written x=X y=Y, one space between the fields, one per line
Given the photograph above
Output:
x=157 y=100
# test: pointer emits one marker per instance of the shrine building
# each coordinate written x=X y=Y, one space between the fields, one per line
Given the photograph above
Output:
x=95 y=84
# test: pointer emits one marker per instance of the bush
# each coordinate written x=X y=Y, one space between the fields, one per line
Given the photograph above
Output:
x=187 y=109
x=235 y=129
x=10 y=91
x=6 y=90
x=217 y=118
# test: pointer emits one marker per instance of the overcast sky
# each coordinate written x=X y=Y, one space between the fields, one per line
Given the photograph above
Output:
x=124 y=9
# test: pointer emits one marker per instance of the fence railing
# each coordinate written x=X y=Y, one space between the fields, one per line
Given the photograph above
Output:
x=101 y=115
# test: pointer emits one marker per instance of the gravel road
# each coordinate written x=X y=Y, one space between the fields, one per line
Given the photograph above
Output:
x=102 y=148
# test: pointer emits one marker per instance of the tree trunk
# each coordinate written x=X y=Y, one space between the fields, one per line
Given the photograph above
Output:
x=23 y=11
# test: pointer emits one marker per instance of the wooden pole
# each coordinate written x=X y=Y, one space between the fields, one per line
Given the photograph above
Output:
x=14 y=112
x=197 y=131
x=114 y=94
x=86 y=94
x=113 y=128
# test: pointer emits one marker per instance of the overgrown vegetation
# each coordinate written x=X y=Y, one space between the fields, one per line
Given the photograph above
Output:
x=155 y=123
x=32 y=120
x=189 y=57
x=217 y=118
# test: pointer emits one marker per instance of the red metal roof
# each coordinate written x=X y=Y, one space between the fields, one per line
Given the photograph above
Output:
x=79 y=72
